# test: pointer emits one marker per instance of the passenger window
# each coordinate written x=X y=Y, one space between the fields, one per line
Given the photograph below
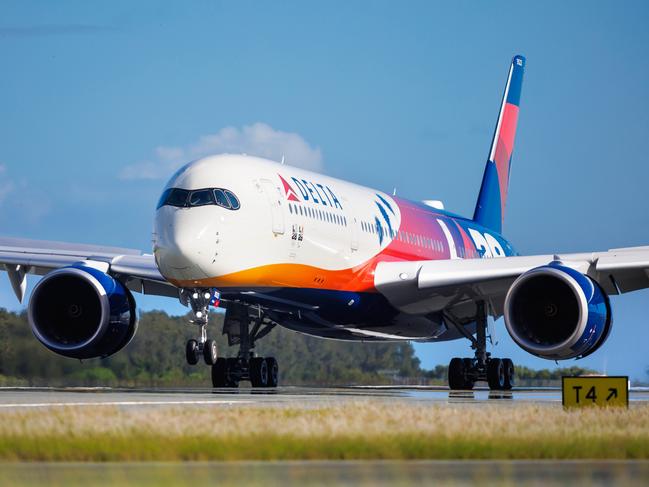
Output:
x=201 y=198
x=221 y=199
x=234 y=201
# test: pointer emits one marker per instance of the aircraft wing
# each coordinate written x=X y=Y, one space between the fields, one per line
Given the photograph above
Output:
x=137 y=271
x=422 y=287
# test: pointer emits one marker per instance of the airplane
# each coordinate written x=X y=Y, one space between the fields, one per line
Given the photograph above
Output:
x=278 y=245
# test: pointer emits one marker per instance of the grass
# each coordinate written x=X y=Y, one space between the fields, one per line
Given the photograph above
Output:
x=351 y=430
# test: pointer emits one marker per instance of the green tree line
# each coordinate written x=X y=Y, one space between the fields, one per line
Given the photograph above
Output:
x=156 y=357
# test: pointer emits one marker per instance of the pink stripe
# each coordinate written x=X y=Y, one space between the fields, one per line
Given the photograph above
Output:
x=504 y=148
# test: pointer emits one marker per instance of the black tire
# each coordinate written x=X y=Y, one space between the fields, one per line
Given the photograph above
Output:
x=258 y=370
x=510 y=374
x=220 y=373
x=496 y=374
x=456 y=380
x=210 y=352
x=273 y=372
x=232 y=378
x=191 y=352
x=468 y=381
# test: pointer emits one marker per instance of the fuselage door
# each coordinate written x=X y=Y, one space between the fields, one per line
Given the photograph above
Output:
x=275 y=200
x=354 y=234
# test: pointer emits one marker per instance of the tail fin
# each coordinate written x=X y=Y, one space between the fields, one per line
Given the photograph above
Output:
x=490 y=208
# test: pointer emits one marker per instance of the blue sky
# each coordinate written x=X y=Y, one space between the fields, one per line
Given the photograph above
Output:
x=101 y=99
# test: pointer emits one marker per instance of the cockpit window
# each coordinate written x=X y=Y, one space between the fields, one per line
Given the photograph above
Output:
x=221 y=199
x=201 y=198
x=234 y=201
x=163 y=199
x=177 y=197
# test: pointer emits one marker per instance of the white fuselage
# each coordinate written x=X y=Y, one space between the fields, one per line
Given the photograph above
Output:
x=315 y=221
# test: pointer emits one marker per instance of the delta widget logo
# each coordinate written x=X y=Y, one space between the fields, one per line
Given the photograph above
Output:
x=320 y=194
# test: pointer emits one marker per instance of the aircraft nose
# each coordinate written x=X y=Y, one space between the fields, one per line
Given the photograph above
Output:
x=181 y=247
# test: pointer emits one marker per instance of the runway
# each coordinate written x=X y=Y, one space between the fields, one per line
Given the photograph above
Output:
x=292 y=426
x=34 y=397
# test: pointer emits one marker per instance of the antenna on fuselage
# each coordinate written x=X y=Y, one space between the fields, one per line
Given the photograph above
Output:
x=282 y=163
x=394 y=191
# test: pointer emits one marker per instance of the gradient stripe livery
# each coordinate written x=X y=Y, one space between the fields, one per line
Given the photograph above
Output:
x=302 y=239
x=490 y=208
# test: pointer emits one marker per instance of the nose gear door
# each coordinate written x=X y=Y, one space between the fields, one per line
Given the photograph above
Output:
x=275 y=200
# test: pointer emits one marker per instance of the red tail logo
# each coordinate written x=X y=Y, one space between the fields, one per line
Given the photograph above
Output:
x=290 y=194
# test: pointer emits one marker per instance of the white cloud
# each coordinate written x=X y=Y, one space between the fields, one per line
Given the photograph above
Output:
x=258 y=139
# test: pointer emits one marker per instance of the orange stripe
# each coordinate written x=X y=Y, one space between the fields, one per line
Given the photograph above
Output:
x=359 y=279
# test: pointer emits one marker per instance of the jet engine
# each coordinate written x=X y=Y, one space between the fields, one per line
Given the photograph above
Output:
x=81 y=312
x=555 y=312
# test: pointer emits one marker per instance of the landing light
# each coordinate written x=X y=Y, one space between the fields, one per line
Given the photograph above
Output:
x=207 y=295
x=195 y=295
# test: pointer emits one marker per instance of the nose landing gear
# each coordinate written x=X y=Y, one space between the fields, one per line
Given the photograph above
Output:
x=463 y=373
x=199 y=300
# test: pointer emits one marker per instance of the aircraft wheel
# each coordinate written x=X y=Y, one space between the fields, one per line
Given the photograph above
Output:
x=191 y=352
x=510 y=373
x=273 y=372
x=258 y=369
x=219 y=373
x=496 y=374
x=210 y=352
x=232 y=375
x=468 y=380
x=456 y=374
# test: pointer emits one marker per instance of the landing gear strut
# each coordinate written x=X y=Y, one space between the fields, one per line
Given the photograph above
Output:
x=199 y=301
x=244 y=330
x=463 y=373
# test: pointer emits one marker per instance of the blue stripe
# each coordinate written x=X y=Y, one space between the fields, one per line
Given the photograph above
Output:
x=488 y=212
x=516 y=83
x=385 y=203
x=379 y=230
x=385 y=217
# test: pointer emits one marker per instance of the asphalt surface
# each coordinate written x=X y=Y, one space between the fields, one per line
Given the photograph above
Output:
x=284 y=396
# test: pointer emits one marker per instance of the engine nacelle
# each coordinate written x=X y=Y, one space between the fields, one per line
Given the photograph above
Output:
x=555 y=312
x=81 y=312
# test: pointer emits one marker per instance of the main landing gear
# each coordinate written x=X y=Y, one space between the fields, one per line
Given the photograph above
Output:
x=241 y=329
x=244 y=330
x=463 y=373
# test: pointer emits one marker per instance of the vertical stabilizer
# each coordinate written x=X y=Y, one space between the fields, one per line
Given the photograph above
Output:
x=490 y=208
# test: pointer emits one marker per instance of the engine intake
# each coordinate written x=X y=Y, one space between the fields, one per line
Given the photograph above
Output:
x=82 y=312
x=557 y=313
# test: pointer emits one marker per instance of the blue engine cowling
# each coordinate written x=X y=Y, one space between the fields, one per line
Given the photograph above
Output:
x=555 y=312
x=81 y=312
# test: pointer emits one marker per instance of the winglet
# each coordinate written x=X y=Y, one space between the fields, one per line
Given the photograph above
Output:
x=490 y=208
